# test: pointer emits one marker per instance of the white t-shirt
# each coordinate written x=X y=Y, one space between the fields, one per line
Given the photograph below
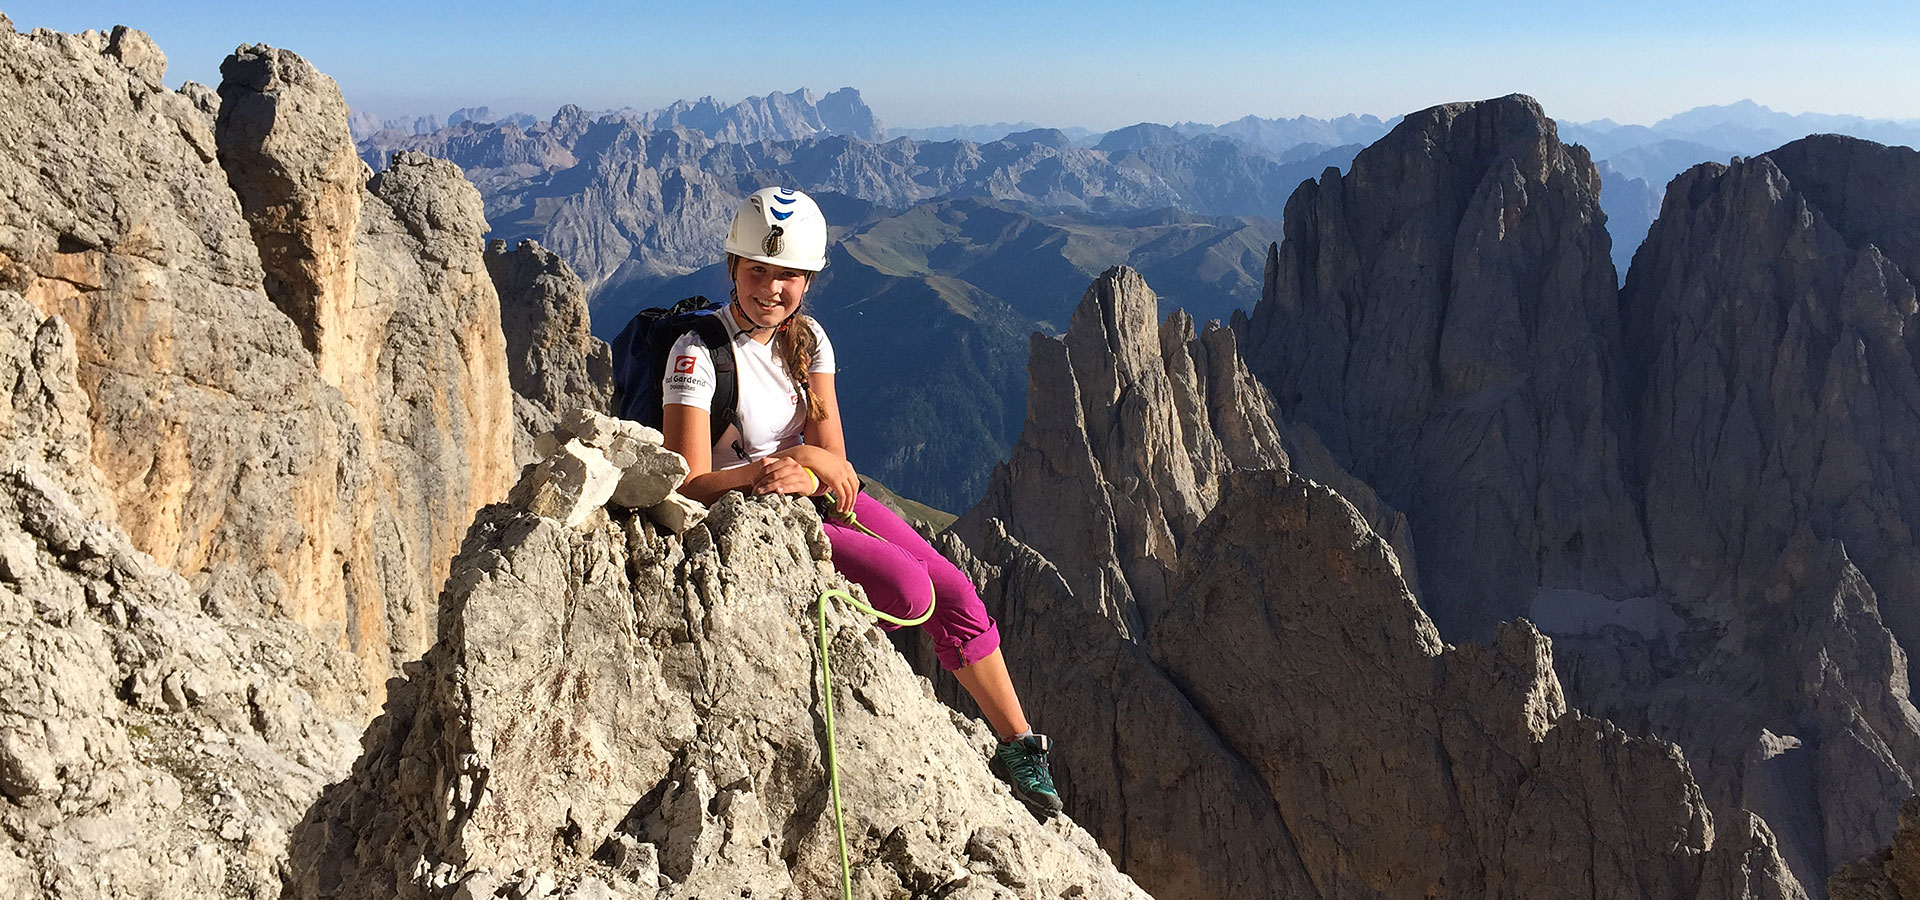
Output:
x=769 y=416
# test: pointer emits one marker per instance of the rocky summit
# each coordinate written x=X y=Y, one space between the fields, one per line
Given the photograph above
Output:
x=616 y=711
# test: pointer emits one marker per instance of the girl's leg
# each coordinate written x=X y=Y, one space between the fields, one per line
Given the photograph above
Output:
x=989 y=685
x=896 y=582
x=965 y=637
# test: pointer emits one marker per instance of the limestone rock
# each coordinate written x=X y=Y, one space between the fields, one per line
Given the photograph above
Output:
x=647 y=472
x=677 y=513
x=1695 y=488
x=618 y=711
x=650 y=480
x=307 y=438
x=1443 y=317
x=281 y=128
x=138 y=53
x=1283 y=638
x=203 y=98
x=555 y=363
x=146 y=748
x=570 y=485
x=437 y=385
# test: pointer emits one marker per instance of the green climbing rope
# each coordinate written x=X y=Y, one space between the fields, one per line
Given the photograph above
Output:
x=826 y=693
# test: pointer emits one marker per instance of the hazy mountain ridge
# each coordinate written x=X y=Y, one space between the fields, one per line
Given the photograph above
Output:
x=1279 y=136
x=986 y=134
x=1655 y=154
x=774 y=117
x=1744 y=127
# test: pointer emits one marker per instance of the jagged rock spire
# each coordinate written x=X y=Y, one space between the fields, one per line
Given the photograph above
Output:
x=1249 y=699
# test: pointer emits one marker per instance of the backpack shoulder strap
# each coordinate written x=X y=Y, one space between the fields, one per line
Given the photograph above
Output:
x=718 y=338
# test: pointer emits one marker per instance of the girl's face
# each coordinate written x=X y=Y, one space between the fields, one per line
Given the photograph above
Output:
x=768 y=293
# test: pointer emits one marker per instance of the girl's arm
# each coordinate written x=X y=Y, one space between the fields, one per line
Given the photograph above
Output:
x=825 y=451
x=686 y=433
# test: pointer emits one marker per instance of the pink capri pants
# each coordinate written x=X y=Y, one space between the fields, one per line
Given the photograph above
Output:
x=895 y=573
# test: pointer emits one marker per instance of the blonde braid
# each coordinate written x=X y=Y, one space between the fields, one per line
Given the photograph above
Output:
x=794 y=345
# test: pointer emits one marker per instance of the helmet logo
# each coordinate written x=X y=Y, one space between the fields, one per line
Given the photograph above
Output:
x=782 y=216
x=772 y=243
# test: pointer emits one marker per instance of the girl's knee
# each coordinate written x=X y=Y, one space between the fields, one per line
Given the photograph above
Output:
x=901 y=589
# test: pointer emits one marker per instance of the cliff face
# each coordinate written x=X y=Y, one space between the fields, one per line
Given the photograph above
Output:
x=1700 y=489
x=1220 y=643
x=297 y=380
x=147 y=748
x=1771 y=321
x=1443 y=319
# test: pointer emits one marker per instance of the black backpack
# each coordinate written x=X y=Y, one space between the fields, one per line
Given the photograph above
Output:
x=640 y=361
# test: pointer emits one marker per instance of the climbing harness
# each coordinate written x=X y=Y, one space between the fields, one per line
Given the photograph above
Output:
x=826 y=693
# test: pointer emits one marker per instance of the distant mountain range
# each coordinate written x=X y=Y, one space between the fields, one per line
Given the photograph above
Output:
x=933 y=308
x=775 y=117
x=986 y=134
x=1653 y=154
x=956 y=249
x=1276 y=136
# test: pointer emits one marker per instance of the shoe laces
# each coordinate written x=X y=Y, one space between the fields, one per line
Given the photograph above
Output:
x=1029 y=760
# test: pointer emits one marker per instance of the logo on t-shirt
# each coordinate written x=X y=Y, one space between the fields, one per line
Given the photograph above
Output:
x=683 y=364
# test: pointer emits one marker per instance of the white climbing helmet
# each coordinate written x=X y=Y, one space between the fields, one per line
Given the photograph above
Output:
x=781 y=226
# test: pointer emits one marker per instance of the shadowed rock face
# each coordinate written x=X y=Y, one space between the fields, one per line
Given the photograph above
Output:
x=618 y=712
x=1891 y=874
x=1702 y=489
x=301 y=425
x=1443 y=317
x=1778 y=400
x=555 y=362
x=1248 y=699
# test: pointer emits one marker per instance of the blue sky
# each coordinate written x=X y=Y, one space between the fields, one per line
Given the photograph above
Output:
x=1097 y=65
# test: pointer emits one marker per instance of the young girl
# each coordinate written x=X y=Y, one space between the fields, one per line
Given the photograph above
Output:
x=786 y=438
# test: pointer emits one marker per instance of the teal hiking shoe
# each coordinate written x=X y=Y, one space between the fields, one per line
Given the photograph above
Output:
x=1023 y=765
